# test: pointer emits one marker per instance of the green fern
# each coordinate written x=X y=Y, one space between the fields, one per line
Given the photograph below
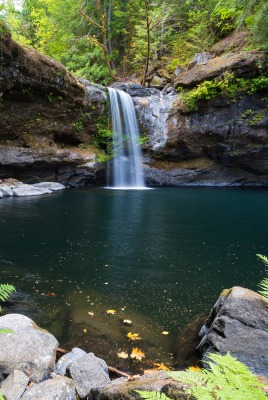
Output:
x=150 y=395
x=264 y=283
x=5 y=291
x=227 y=379
x=2 y=397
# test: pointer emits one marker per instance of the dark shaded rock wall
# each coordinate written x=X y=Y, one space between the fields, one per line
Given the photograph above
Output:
x=46 y=111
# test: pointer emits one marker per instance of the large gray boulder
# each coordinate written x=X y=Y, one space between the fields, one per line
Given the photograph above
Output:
x=14 y=385
x=60 y=388
x=89 y=372
x=29 y=348
x=238 y=324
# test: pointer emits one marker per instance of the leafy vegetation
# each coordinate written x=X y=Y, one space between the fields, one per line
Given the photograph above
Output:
x=101 y=40
x=264 y=282
x=226 y=379
x=227 y=86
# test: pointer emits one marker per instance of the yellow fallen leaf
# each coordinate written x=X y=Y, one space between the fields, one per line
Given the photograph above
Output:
x=194 y=368
x=112 y=312
x=91 y=313
x=137 y=353
x=127 y=322
x=165 y=333
x=133 y=336
x=85 y=330
x=123 y=354
x=161 y=366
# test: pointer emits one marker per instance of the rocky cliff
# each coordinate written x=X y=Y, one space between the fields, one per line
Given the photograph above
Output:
x=222 y=141
x=48 y=119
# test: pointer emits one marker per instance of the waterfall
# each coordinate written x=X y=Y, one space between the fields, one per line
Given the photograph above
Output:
x=127 y=169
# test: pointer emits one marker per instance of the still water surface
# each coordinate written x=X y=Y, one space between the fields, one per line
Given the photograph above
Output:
x=157 y=257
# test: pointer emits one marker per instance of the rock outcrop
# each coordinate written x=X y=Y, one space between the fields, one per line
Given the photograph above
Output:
x=238 y=324
x=246 y=64
x=27 y=348
x=48 y=118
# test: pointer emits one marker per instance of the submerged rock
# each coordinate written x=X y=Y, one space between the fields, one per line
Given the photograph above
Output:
x=28 y=348
x=238 y=323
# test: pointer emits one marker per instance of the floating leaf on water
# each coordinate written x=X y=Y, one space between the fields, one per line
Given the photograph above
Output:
x=194 y=368
x=137 y=353
x=161 y=366
x=85 y=330
x=90 y=313
x=112 y=312
x=133 y=336
x=123 y=354
x=165 y=333
x=127 y=322
x=50 y=294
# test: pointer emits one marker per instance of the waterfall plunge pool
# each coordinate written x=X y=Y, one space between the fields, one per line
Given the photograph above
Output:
x=157 y=257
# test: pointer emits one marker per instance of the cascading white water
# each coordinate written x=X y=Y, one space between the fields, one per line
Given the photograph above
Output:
x=127 y=161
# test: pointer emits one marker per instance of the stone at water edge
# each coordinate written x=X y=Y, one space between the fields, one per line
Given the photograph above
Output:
x=29 y=348
x=14 y=385
x=89 y=372
x=67 y=359
x=60 y=388
x=238 y=323
x=26 y=190
x=52 y=186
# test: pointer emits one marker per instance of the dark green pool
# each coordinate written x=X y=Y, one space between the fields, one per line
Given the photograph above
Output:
x=157 y=257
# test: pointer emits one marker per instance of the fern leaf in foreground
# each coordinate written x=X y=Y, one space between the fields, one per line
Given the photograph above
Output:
x=227 y=379
x=5 y=291
x=264 y=283
x=152 y=395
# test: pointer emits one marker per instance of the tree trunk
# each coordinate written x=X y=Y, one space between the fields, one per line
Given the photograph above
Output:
x=148 y=43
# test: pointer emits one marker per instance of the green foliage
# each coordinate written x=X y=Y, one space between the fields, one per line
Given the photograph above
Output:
x=227 y=379
x=5 y=291
x=152 y=395
x=264 y=283
x=227 y=86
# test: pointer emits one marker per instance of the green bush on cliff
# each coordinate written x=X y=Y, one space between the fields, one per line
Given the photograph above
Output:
x=226 y=379
x=227 y=86
x=264 y=282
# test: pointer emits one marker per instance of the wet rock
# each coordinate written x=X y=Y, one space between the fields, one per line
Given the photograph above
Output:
x=239 y=313
x=89 y=372
x=51 y=186
x=245 y=64
x=29 y=348
x=60 y=388
x=67 y=359
x=133 y=89
x=28 y=190
x=156 y=381
x=14 y=385
x=200 y=59
x=6 y=190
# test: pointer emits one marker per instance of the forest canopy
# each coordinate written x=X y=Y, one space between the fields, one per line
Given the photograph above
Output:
x=102 y=39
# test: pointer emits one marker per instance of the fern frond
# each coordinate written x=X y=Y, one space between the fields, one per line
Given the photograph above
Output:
x=264 y=287
x=263 y=258
x=5 y=291
x=1 y=397
x=151 y=395
x=5 y=331
x=227 y=379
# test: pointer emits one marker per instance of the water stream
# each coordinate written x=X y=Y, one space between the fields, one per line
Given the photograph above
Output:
x=127 y=161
